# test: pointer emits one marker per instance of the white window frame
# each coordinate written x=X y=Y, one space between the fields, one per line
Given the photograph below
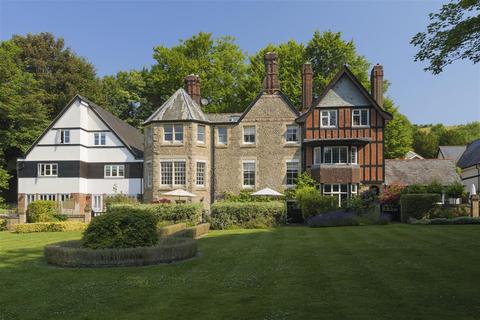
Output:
x=219 y=141
x=294 y=134
x=201 y=136
x=149 y=174
x=64 y=196
x=326 y=114
x=111 y=168
x=29 y=198
x=317 y=156
x=353 y=155
x=353 y=189
x=47 y=197
x=100 y=138
x=254 y=135
x=333 y=148
x=177 y=129
x=293 y=161
x=42 y=168
x=200 y=176
x=337 y=193
x=244 y=162
x=358 y=113
x=175 y=173
x=65 y=136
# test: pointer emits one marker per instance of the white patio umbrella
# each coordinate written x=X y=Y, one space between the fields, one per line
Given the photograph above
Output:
x=473 y=190
x=267 y=192
x=179 y=193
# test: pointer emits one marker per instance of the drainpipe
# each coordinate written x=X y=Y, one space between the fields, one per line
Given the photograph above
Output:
x=212 y=164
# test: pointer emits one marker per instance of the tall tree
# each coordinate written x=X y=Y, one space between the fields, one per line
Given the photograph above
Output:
x=23 y=116
x=453 y=34
x=219 y=62
x=398 y=133
x=125 y=96
x=59 y=71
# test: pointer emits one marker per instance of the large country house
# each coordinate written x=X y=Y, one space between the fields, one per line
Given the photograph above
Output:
x=338 y=138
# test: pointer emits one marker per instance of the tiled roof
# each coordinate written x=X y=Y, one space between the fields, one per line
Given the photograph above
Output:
x=223 y=117
x=180 y=106
x=420 y=171
x=451 y=152
x=471 y=156
x=132 y=137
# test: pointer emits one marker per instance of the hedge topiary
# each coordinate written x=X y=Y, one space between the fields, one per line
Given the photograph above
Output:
x=42 y=211
x=50 y=227
x=417 y=205
x=228 y=215
x=190 y=212
x=121 y=230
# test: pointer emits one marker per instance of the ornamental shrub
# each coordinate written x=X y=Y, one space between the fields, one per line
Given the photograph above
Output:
x=3 y=224
x=391 y=194
x=182 y=212
x=42 y=211
x=447 y=211
x=50 y=227
x=455 y=190
x=312 y=203
x=229 y=215
x=417 y=205
x=122 y=229
x=171 y=230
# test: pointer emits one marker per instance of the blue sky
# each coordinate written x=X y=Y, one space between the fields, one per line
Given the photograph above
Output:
x=120 y=35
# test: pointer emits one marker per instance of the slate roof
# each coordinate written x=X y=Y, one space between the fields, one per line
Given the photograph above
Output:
x=222 y=117
x=180 y=106
x=471 y=156
x=451 y=152
x=412 y=155
x=420 y=171
x=128 y=134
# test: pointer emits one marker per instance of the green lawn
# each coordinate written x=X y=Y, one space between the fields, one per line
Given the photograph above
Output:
x=376 y=272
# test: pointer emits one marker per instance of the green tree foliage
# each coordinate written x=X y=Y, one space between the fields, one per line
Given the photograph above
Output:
x=453 y=34
x=125 y=96
x=58 y=70
x=398 y=133
x=219 y=62
x=428 y=138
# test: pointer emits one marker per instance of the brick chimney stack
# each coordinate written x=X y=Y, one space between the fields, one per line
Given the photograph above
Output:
x=376 y=83
x=307 y=86
x=270 y=83
x=192 y=86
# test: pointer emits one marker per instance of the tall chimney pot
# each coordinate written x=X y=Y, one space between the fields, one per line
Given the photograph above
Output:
x=307 y=86
x=376 y=83
x=192 y=86
x=270 y=83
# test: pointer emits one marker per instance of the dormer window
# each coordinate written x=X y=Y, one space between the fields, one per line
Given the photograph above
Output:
x=234 y=118
x=64 y=136
x=360 y=117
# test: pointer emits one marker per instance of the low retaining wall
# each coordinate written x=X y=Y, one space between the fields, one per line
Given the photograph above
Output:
x=72 y=254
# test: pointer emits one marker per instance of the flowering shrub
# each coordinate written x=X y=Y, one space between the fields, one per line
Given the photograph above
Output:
x=391 y=194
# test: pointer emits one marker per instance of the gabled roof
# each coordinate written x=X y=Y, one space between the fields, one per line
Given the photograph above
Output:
x=179 y=107
x=345 y=71
x=451 y=152
x=420 y=171
x=260 y=94
x=128 y=135
x=471 y=156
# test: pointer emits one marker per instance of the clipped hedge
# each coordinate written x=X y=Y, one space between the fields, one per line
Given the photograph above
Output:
x=197 y=231
x=73 y=254
x=121 y=229
x=445 y=221
x=188 y=212
x=172 y=230
x=3 y=224
x=228 y=215
x=50 y=227
x=42 y=211
x=417 y=205
x=312 y=203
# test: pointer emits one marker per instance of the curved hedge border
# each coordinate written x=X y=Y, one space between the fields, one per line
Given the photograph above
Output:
x=71 y=254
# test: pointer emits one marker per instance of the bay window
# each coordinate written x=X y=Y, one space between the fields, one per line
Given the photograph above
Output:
x=172 y=172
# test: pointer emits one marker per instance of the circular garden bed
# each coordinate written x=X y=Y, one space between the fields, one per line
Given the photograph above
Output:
x=72 y=254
